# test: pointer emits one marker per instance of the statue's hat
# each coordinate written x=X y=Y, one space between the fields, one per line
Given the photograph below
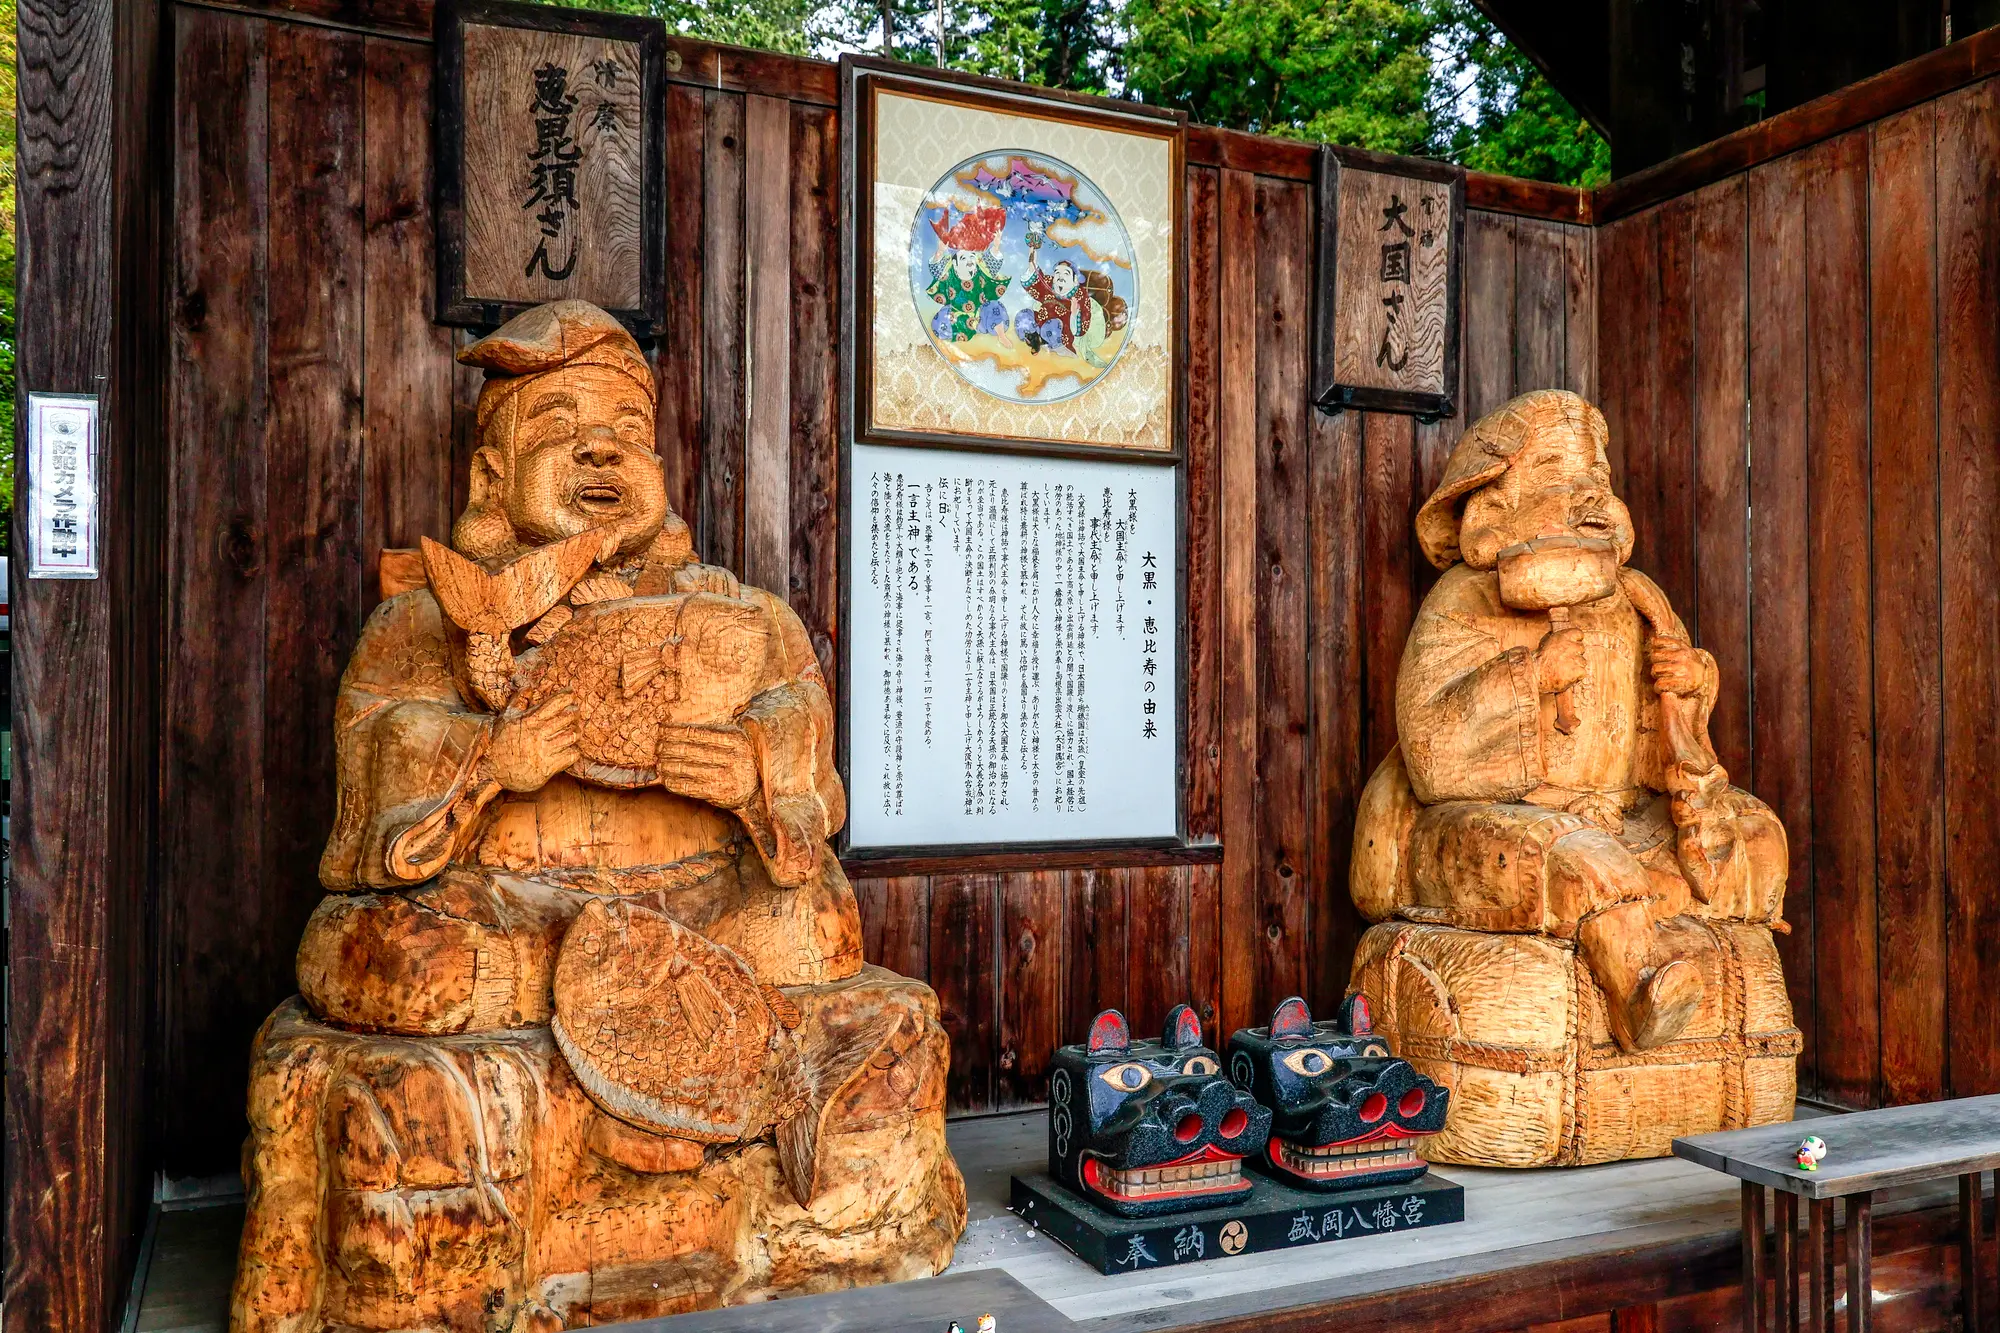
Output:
x=1483 y=453
x=556 y=335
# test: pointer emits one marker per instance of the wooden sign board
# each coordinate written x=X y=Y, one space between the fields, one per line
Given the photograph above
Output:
x=1390 y=236
x=550 y=145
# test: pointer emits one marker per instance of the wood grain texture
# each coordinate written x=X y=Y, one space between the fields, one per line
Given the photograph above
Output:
x=965 y=921
x=680 y=355
x=1156 y=944
x=215 y=817
x=1968 y=247
x=1721 y=464
x=1203 y=755
x=813 y=586
x=896 y=923
x=1841 y=633
x=1781 y=734
x=718 y=514
x=767 y=376
x=1488 y=355
x=1335 y=649
x=1389 y=597
x=1094 y=962
x=1238 y=538
x=1283 y=691
x=1030 y=983
x=1541 y=291
x=1908 y=634
x=1665 y=513
x=1580 y=345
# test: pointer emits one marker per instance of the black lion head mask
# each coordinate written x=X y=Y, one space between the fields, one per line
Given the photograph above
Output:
x=1345 y=1113
x=1143 y=1127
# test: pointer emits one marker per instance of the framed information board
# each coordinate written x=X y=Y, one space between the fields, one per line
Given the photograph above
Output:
x=1013 y=635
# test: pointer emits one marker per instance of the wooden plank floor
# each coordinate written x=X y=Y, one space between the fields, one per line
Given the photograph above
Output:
x=1514 y=1219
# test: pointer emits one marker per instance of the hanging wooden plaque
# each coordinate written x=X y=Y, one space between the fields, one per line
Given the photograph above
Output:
x=1390 y=237
x=549 y=153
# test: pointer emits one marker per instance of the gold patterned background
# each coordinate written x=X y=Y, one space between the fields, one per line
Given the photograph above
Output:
x=917 y=140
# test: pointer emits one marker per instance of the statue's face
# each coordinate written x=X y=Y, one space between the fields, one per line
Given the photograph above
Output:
x=583 y=458
x=1558 y=485
x=1345 y=1113
x=1145 y=1127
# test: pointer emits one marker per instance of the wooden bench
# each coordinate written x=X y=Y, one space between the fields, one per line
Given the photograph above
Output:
x=1866 y=1151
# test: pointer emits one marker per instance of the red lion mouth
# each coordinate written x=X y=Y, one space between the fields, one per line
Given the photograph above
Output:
x=1207 y=1172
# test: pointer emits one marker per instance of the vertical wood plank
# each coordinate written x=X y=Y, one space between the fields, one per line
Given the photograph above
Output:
x=1843 y=728
x=1968 y=164
x=1908 y=633
x=681 y=351
x=1204 y=945
x=1094 y=973
x=1156 y=948
x=1239 y=601
x=1031 y=964
x=1486 y=348
x=1284 y=699
x=813 y=542
x=313 y=459
x=896 y=923
x=1665 y=518
x=1204 y=544
x=1628 y=298
x=1781 y=736
x=406 y=395
x=718 y=529
x=1541 y=297
x=1580 y=311
x=1388 y=592
x=1721 y=454
x=1335 y=648
x=964 y=917
x=213 y=814
x=767 y=377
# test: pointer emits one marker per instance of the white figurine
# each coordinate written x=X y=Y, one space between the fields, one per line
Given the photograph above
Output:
x=1812 y=1148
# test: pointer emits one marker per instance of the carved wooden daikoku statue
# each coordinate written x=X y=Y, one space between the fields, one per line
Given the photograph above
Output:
x=585 y=1033
x=1577 y=907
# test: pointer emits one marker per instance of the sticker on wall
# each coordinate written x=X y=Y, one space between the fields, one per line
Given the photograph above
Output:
x=62 y=486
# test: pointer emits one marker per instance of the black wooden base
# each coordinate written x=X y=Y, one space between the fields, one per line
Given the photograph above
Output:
x=1272 y=1216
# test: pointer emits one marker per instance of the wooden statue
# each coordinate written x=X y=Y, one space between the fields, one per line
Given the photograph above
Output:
x=584 y=1033
x=1577 y=907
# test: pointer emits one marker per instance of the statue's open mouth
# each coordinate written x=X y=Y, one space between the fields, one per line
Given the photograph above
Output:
x=1387 y=1149
x=600 y=497
x=1207 y=1171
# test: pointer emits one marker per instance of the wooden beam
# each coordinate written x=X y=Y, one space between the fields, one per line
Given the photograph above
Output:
x=1238 y=535
x=767 y=376
x=93 y=122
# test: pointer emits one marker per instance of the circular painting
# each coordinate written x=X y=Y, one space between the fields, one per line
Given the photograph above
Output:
x=1022 y=275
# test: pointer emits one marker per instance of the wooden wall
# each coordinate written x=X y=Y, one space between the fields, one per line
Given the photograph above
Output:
x=317 y=417
x=1803 y=369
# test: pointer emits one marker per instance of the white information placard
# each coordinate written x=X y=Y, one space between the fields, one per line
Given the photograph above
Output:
x=62 y=486
x=1013 y=635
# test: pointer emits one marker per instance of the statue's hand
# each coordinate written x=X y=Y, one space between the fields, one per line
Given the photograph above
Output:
x=712 y=764
x=1677 y=667
x=529 y=750
x=1559 y=660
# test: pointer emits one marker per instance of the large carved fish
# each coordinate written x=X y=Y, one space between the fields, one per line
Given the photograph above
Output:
x=673 y=1033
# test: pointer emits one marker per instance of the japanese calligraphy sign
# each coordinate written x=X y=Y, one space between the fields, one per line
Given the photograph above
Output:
x=62 y=486
x=1389 y=244
x=1013 y=629
x=549 y=152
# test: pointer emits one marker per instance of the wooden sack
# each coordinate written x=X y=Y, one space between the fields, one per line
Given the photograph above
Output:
x=1515 y=1026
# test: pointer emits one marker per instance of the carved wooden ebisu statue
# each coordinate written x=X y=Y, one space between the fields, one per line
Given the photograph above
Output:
x=1576 y=906
x=584 y=1033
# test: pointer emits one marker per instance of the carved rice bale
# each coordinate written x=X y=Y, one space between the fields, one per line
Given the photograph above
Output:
x=1511 y=1023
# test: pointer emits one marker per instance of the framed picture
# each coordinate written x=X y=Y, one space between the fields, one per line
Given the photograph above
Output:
x=551 y=141
x=1391 y=234
x=1016 y=261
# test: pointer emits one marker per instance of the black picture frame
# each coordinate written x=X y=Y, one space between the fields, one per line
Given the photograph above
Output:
x=860 y=77
x=1330 y=395
x=455 y=306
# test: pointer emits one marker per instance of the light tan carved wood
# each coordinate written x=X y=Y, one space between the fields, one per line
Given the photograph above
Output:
x=1575 y=905
x=584 y=1033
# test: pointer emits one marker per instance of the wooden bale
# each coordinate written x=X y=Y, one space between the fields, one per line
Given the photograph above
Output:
x=1515 y=1027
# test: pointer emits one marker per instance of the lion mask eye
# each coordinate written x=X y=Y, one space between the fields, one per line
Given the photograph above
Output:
x=1199 y=1064
x=1128 y=1077
x=1309 y=1062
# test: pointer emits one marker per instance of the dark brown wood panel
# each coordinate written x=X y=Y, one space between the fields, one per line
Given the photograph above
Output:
x=1335 y=647
x=1030 y=982
x=1204 y=514
x=1843 y=725
x=1156 y=946
x=1908 y=636
x=215 y=821
x=1665 y=510
x=1093 y=952
x=718 y=514
x=1284 y=689
x=1781 y=740
x=1968 y=247
x=1487 y=291
x=814 y=590
x=1540 y=292
x=896 y=923
x=1721 y=604
x=679 y=356
x=965 y=911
